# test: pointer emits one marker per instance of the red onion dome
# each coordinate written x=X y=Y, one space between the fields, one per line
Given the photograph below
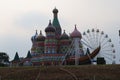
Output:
x=40 y=37
x=55 y=10
x=50 y=27
x=76 y=33
x=64 y=36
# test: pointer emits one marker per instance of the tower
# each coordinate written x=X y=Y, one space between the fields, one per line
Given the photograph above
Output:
x=34 y=43
x=64 y=43
x=56 y=23
x=40 y=43
x=50 y=41
x=76 y=38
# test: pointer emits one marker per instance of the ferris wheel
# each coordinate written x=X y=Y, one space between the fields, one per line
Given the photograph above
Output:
x=91 y=39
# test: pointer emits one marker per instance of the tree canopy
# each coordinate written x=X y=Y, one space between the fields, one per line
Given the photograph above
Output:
x=4 y=58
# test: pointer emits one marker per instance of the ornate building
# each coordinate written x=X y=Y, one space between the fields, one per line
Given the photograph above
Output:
x=51 y=49
x=60 y=48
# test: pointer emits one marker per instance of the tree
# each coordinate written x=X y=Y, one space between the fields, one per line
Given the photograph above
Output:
x=4 y=59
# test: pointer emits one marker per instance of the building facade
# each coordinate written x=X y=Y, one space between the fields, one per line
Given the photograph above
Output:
x=52 y=48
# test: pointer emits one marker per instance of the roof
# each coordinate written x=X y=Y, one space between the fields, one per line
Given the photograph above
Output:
x=16 y=58
x=50 y=27
x=76 y=33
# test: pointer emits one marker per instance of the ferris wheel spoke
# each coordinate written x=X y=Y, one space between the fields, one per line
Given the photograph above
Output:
x=108 y=54
x=85 y=41
x=108 y=45
x=109 y=51
x=91 y=43
x=87 y=45
x=105 y=42
x=103 y=39
x=107 y=57
x=97 y=36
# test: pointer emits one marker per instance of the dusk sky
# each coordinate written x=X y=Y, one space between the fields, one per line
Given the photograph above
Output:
x=20 y=18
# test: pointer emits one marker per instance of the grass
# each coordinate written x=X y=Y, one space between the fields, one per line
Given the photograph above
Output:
x=81 y=72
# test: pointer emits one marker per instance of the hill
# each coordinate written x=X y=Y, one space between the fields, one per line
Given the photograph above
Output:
x=82 y=72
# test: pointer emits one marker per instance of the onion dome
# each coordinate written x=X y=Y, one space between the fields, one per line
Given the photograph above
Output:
x=40 y=37
x=76 y=33
x=33 y=38
x=64 y=36
x=55 y=10
x=50 y=28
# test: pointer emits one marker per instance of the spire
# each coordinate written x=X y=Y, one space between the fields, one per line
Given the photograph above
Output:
x=76 y=33
x=16 y=58
x=55 y=11
x=49 y=22
x=75 y=27
x=64 y=36
x=36 y=33
x=50 y=27
x=40 y=32
x=29 y=55
x=56 y=23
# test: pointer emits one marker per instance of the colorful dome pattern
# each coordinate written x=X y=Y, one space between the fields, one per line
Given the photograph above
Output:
x=40 y=37
x=76 y=33
x=50 y=27
x=64 y=36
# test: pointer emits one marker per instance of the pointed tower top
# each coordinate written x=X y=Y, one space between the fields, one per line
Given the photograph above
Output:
x=36 y=33
x=56 y=23
x=76 y=33
x=28 y=55
x=50 y=27
x=75 y=27
x=16 y=58
x=55 y=10
x=64 y=36
x=40 y=37
x=40 y=32
x=49 y=22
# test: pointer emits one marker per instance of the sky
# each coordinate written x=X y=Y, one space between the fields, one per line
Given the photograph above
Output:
x=20 y=18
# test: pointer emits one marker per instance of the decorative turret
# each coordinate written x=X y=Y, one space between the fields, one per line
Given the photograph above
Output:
x=64 y=43
x=16 y=58
x=56 y=23
x=33 y=38
x=40 y=43
x=40 y=37
x=50 y=27
x=50 y=41
x=34 y=43
x=76 y=33
x=64 y=36
x=55 y=10
x=29 y=55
